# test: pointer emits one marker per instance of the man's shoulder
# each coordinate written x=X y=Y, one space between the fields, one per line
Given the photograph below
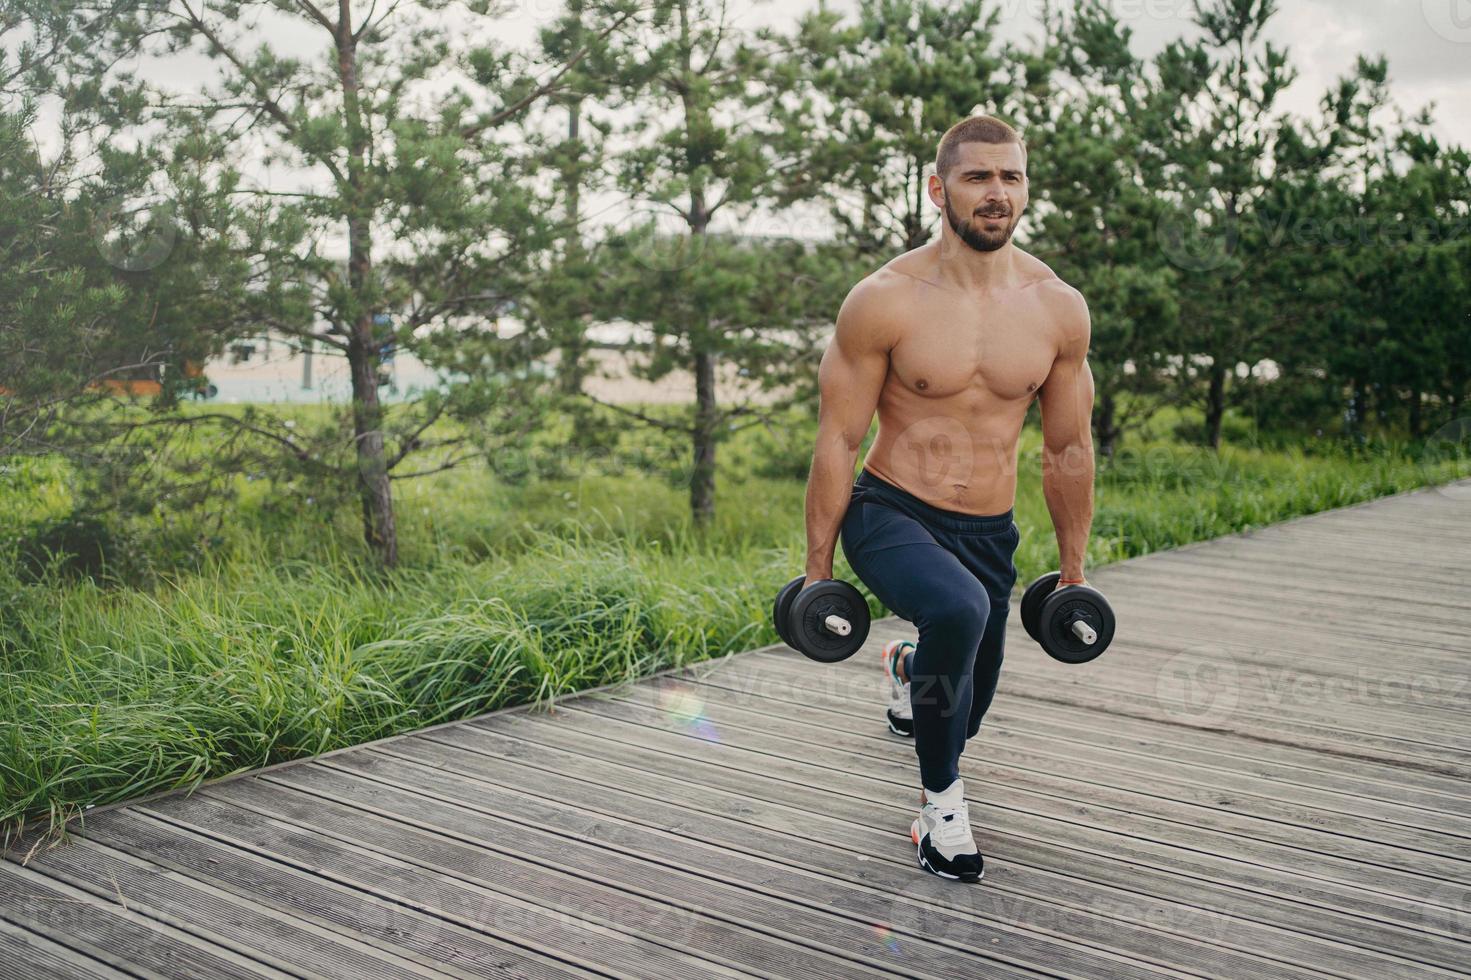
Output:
x=1063 y=301
x=881 y=294
x=1040 y=276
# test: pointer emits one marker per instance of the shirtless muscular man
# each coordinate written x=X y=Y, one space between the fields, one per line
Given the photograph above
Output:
x=950 y=343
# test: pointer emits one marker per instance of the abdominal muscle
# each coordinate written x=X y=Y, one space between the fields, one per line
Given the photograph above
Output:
x=931 y=453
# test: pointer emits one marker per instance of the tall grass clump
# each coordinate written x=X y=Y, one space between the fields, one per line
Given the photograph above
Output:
x=110 y=695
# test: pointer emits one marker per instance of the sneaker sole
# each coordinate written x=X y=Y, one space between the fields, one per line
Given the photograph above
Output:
x=898 y=731
x=919 y=853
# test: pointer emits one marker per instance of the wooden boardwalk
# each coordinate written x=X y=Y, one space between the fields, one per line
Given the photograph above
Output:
x=1267 y=776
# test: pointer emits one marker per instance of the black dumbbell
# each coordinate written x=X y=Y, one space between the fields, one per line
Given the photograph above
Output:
x=1074 y=624
x=827 y=622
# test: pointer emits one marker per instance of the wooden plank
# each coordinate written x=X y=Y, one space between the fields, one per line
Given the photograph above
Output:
x=853 y=793
x=24 y=955
x=1362 y=608
x=1323 y=576
x=112 y=933
x=1339 y=577
x=215 y=915
x=693 y=878
x=869 y=858
x=1129 y=813
x=404 y=929
x=1264 y=729
x=1440 y=856
x=1345 y=746
x=865 y=695
x=1220 y=684
x=567 y=932
x=1359 y=607
x=694 y=913
x=1337 y=747
x=861 y=804
x=1050 y=751
x=1400 y=686
x=1213 y=615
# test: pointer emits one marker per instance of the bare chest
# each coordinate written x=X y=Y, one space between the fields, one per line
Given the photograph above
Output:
x=1005 y=350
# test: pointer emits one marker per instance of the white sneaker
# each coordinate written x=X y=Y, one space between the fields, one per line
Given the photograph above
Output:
x=901 y=715
x=942 y=836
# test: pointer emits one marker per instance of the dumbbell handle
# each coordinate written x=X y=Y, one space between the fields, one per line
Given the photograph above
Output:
x=1083 y=631
x=837 y=624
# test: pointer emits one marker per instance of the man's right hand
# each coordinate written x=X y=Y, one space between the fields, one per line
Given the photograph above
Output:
x=815 y=575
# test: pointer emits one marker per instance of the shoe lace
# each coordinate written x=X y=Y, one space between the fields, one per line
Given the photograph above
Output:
x=953 y=825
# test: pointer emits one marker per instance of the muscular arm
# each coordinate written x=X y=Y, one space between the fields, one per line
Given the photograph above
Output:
x=850 y=378
x=1066 y=402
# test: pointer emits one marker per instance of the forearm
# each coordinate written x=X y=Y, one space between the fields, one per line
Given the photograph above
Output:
x=1067 y=486
x=829 y=487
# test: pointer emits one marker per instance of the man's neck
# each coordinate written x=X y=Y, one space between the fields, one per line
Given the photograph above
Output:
x=960 y=265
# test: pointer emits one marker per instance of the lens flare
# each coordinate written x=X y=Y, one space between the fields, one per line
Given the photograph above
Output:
x=886 y=936
x=687 y=710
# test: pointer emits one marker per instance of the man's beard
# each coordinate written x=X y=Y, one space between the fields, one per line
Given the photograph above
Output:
x=977 y=238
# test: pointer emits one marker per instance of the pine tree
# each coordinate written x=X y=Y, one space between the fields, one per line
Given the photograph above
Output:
x=704 y=145
x=1094 y=115
x=879 y=92
x=407 y=141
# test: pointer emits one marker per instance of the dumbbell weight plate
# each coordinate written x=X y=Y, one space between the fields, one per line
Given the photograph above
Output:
x=1061 y=609
x=809 y=612
x=781 y=610
x=1032 y=600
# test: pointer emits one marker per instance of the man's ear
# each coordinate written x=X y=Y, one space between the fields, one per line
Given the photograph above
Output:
x=936 y=188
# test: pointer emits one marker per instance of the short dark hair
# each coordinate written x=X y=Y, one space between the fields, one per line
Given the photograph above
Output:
x=974 y=129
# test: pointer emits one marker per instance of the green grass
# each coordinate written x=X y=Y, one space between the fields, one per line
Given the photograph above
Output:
x=279 y=646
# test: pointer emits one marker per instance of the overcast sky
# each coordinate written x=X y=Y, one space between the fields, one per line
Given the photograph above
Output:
x=1427 y=42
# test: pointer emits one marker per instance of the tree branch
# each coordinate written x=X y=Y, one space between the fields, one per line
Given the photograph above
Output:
x=495 y=119
x=456 y=461
x=660 y=423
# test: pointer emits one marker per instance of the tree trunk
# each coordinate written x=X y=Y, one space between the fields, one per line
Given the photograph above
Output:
x=1361 y=408
x=375 y=488
x=915 y=233
x=1215 y=406
x=697 y=127
x=1105 y=428
x=363 y=347
x=1417 y=421
x=573 y=348
x=702 y=477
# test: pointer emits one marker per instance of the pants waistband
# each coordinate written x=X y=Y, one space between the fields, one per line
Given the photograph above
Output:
x=953 y=520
